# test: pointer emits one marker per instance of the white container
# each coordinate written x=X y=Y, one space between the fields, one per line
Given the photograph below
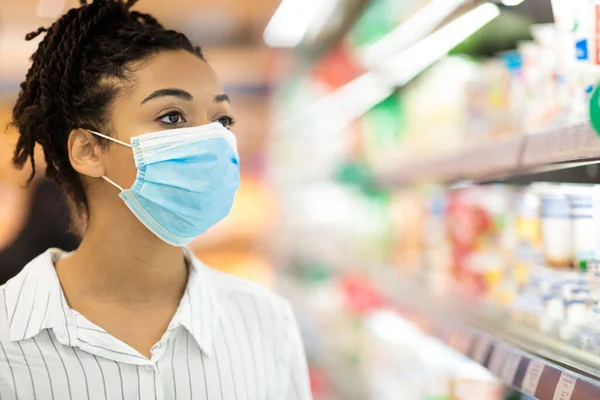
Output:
x=553 y=314
x=584 y=228
x=589 y=336
x=593 y=279
x=595 y=193
x=576 y=317
x=564 y=15
x=565 y=18
x=557 y=231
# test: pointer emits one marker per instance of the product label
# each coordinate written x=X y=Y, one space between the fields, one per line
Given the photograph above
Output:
x=565 y=387
x=582 y=49
x=532 y=377
x=498 y=356
x=509 y=369
x=481 y=349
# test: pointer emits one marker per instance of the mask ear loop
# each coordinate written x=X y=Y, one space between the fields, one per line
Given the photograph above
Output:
x=115 y=184
x=106 y=178
x=110 y=138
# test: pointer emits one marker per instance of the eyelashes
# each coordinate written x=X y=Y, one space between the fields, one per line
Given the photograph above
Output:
x=172 y=118
x=176 y=118
x=227 y=121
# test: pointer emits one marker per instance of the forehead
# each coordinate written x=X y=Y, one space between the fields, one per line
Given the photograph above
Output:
x=179 y=70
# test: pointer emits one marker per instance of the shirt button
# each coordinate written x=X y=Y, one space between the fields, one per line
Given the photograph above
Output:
x=149 y=368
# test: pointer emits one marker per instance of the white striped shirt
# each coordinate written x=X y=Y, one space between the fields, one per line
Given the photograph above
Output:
x=228 y=340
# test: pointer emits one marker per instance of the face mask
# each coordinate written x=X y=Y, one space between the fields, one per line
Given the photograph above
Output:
x=186 y=180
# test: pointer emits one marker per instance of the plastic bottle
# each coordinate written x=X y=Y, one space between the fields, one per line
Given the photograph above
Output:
x=589 y=335
x=584 y=229
x=576 y=314
x=557 y=230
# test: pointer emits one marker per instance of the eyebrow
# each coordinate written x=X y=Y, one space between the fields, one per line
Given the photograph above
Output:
x=182 y=94
x=221 y=98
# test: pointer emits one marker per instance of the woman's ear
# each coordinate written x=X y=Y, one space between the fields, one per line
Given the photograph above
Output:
x=85 y=153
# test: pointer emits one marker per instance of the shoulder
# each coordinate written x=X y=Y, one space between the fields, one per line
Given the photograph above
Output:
x=240 y=303
x=254 y=306
x=250 y=294
x=25 y=300
x=266 y=318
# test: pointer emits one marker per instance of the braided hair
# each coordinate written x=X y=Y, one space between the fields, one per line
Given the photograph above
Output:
x=77 y=70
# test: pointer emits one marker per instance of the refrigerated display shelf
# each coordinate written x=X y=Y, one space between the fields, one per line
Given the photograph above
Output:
x=520 y=356
x=504 y=158
x=536 y=376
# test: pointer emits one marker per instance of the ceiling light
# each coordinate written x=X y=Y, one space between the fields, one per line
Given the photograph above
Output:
x=415 y=28
x=512 y=3
x=290 y=22
x=412 y=61
x=336 y=110
x=349 y=102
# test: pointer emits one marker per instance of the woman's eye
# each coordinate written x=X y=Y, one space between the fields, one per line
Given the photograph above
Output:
x=172 y=118
x=226 y=121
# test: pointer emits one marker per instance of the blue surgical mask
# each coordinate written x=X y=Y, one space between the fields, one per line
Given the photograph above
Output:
x=186 y=180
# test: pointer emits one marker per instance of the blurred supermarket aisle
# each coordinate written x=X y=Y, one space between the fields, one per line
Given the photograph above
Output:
x=386 y=223
x=419 y=178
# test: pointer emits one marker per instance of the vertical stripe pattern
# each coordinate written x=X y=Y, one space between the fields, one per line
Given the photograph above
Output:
x=226 y=341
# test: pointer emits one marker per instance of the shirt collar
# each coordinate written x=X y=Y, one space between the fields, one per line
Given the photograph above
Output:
x=35 y=301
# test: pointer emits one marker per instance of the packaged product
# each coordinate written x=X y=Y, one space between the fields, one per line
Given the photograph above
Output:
x=584 y=229
x=553 y=313
x=576 y=313
x=557 y=232
x=538 y=89
x=482 y=237
x=589 y=335
x=570 y=17
x=528 y=231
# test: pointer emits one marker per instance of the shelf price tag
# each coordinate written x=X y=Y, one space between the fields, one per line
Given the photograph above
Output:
x=509 y=369
x=497 y=358
x=565 y=387
x=532 y=377
x=481 y=349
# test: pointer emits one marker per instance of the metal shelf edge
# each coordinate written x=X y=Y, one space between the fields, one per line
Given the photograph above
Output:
x=527 y=373
x=507 y=157
x=562 y=372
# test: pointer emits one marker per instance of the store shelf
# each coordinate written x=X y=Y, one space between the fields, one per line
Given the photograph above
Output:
x=520 y=356
x=499 y=160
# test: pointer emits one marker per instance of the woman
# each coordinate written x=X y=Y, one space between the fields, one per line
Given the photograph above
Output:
x=134 y=125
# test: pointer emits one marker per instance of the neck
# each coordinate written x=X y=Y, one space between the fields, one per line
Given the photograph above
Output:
x=124 y=263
